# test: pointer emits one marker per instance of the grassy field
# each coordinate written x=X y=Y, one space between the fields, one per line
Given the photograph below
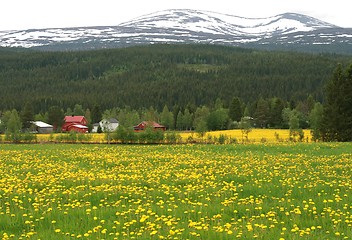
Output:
x=250 y=191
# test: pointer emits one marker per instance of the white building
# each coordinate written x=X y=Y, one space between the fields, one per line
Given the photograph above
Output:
x=106 y=125
x=42 y=127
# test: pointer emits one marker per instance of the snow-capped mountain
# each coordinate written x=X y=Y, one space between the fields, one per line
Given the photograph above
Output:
x=284 y=31
x=215 y=23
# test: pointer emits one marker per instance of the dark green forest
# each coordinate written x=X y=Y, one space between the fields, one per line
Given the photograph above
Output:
x=159 y=75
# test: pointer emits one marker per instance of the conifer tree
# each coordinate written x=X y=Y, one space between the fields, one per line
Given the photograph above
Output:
x=56 y=117
x=235 y=110
x=78 y=110
x=167 y=118
x=27 y=115
x=337 y=112
x=276 y=107
x=96 y=113
x=261 y=113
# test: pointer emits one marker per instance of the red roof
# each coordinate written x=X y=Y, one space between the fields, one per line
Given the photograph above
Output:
x=144 y=124
x=74 y=118
x=154 y=124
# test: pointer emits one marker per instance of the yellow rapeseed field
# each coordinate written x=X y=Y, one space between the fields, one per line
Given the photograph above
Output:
x=254 y=136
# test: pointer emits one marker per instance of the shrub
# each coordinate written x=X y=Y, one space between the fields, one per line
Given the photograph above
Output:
x=29 y=137
x=233 y=140
x=172 y=137
x=51 y=137
x=81 y=137
x=222 y=139
x=278 y=138
x=14 y=137
x=190 y=139
x=210 y=139
x=124 y=135
x=71 y=137
x=296 y=135
x=149 y=135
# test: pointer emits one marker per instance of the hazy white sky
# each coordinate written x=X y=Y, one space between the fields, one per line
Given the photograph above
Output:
x=25 y=14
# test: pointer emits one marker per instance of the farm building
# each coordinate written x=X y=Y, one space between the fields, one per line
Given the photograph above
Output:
x=107 y=125
x=143 y=125
x=41 y=127
x=75 y=123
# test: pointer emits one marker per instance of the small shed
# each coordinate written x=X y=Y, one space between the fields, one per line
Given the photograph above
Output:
x=143 y=125
x=42 y=127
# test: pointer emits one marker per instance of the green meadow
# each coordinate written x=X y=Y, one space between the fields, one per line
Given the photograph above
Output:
x=240 y=191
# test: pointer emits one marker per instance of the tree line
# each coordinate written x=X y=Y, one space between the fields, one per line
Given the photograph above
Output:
x=263 y=113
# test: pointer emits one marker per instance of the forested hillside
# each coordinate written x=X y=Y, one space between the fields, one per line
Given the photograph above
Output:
x=159 y=75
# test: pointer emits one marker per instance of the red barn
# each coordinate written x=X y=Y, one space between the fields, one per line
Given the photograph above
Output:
x=143 y=125
x=75 y=123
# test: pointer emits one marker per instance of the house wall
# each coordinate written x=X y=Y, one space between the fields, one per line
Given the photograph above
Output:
x=108 y=126
x=84 y=122
x=66 y=126
x=45 y=130
x=76 y=129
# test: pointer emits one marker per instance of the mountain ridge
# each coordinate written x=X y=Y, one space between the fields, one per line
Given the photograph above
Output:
x=284 y=31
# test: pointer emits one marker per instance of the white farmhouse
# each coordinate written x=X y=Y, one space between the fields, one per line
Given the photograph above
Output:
x=107 y=125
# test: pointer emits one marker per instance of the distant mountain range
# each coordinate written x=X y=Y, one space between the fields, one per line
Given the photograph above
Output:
x=288 y=31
